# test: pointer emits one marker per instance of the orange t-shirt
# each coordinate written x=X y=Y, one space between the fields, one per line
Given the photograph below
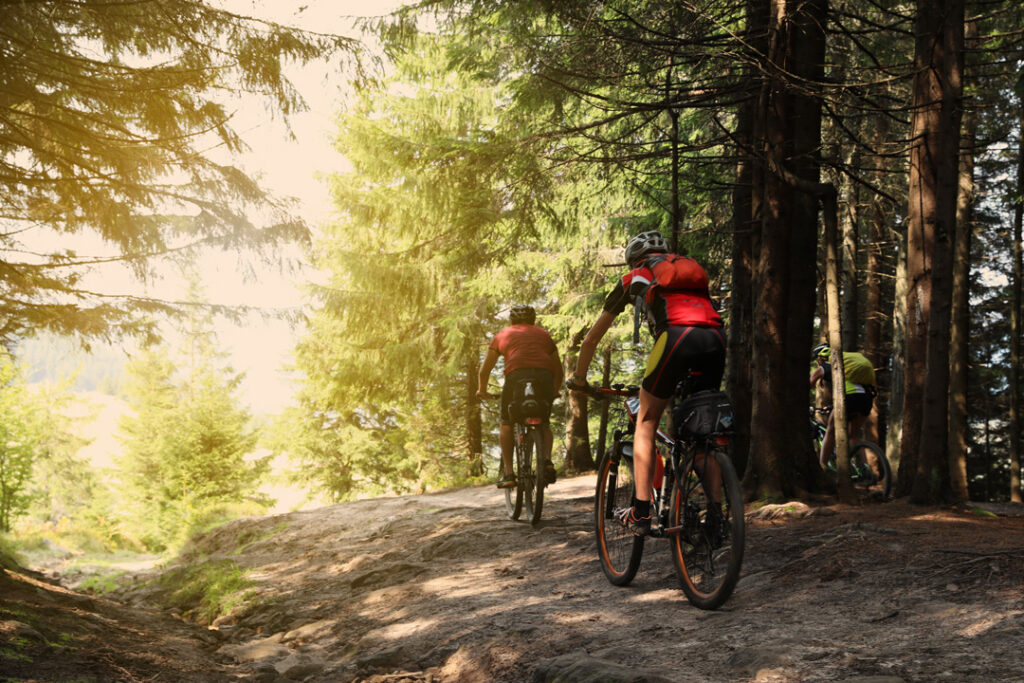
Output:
x=525 y=346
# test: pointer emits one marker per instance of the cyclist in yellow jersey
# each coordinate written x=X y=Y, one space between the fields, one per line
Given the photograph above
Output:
x=860 y=393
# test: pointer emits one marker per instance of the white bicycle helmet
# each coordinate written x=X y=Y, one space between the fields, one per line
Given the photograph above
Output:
x=644 y=244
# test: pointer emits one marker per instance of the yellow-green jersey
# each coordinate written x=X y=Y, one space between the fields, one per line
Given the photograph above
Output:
x=858 y=372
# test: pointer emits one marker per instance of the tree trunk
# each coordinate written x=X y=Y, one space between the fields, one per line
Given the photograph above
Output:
x=606 y=376
x=578 y=457
x=746 y=237
x=474 y=424
x=785 y=274
x=844 y=485
x=931 y=220
x=873 y=316
x=1015 y=312
x=958 y=344
x=897 y=376
x=850 y=319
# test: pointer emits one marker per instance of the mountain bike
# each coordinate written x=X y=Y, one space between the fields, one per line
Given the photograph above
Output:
x=696 y=500
x=527 y=459
x=869 y=468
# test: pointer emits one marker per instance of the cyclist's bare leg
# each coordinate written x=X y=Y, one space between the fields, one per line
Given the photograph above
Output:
x=549 y=440
x=856 y=425
x=505 y=438
x=651 y=408
x=828 y=444
x=711 y=475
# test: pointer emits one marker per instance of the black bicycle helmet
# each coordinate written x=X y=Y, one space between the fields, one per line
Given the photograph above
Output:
x=522 y=315
x=644 y=244
x=822 y=351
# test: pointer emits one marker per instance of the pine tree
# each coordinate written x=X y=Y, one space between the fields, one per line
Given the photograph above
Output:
x=116 y=122
x=188 y=443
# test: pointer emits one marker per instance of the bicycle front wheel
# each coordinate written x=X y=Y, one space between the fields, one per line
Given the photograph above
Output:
x=618 y=549
x=870 y=470
x=535 y=442
x=707 y=551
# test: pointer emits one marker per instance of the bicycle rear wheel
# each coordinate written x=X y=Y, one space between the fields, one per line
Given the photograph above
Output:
x=870 y=470
x=514 y=496
x=618 y=549
x=526 y=476
x=707 y=552
x=535 y=442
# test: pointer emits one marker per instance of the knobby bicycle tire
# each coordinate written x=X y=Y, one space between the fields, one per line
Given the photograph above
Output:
x=870 y=469
x=534 y=437
x=618 y=549
x=514 y=496
x=707 y=557
x=526 y=476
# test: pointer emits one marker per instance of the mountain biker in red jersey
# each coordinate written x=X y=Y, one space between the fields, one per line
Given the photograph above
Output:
x=688 y=335
x=530 y=355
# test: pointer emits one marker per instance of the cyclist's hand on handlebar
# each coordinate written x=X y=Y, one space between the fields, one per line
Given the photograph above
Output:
x=572 y=385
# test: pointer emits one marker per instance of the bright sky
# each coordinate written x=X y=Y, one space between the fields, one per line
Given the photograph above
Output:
x=288 y=167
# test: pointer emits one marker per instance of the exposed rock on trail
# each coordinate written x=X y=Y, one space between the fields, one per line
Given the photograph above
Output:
x=442 y=587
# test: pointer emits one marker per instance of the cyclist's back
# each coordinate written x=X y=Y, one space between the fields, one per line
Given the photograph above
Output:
x=530 y=357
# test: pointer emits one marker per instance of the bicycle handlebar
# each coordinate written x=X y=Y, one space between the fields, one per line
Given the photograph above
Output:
x=602 y=393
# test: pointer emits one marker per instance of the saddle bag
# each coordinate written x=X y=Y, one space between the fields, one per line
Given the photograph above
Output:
x=702 y=414
x=527 y=402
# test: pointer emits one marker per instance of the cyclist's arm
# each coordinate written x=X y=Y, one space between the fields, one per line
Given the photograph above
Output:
x=485 y=372
x=556 y=368
x=590 y=342
x=816 y=376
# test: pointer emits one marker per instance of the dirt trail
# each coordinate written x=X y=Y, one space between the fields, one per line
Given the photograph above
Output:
x=442 y=587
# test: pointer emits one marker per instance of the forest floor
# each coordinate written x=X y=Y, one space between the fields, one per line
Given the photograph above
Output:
x=442 y=587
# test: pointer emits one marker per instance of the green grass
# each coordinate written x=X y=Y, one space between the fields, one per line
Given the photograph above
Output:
x=10 y=558
x=13 y=655
x=207 y=590
x=249 y=538
x=101 y=584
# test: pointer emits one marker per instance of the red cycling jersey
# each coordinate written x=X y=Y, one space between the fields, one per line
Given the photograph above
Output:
x=526 y=346
x=682 y=307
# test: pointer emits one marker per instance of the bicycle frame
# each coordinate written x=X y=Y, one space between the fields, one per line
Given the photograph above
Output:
x=665 y=472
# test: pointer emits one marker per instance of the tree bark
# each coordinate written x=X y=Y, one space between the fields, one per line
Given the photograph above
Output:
x=606 y=376
x=850 y=319
x=1015 y=313
x=897 y=376
x=784 y=271
x=958 y=344
x=474 y=422
x=931 y=223
x=746 y=220
x=578 y=457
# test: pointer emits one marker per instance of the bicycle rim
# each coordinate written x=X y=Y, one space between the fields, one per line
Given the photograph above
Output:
x=707 y=558
x=527 y=476
x=870 y=470
x=618 y=549
x=535 y=436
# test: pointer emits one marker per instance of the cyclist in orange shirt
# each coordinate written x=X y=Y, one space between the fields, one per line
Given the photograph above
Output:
x=530 y=355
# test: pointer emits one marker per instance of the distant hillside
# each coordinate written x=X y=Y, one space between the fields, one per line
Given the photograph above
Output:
x=53 y=358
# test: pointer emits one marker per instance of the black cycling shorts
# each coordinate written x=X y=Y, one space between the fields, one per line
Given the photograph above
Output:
x=543 y=384
x=858 y=404
x=681 y=349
